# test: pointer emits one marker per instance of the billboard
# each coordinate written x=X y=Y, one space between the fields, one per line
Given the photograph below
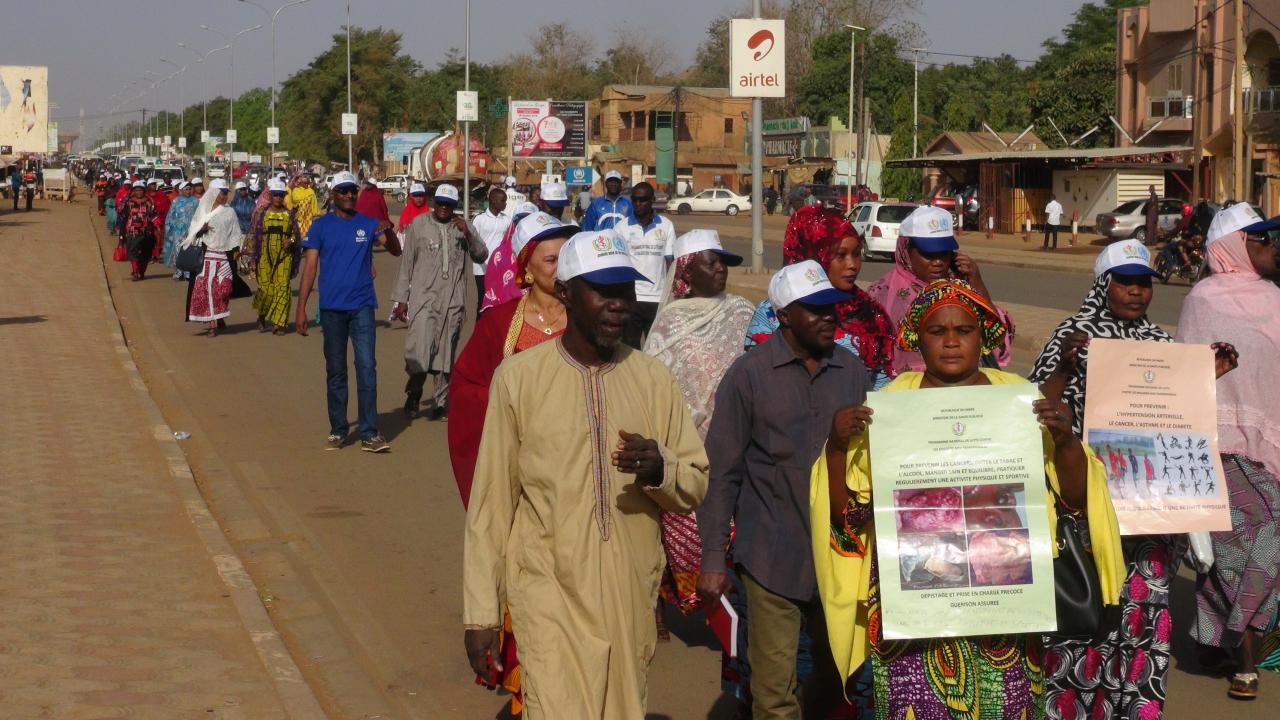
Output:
x=757 y=58
x=395 y=146
x=24 y=108
x=548 y=129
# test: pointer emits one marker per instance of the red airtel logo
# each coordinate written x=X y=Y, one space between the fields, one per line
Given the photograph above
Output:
x=758 y=39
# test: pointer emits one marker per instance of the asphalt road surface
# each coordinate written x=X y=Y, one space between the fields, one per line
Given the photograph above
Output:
x=357 y=556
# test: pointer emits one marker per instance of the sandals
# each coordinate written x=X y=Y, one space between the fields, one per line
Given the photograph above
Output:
x=1244 y=686
x=278 y=330
x=262 y=325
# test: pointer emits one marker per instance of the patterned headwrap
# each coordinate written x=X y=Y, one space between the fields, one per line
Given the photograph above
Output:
x=814 y=233
x=941 y=293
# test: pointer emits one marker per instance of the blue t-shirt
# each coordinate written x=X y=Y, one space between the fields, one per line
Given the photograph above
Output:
x=346 y=260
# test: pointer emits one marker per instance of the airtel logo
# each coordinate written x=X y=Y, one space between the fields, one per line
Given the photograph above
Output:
x=755 y=41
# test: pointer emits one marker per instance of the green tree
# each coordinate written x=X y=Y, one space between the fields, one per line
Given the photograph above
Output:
x=824 y=90
x=1093 y=27
x=1078 y=96
x=310 y=107
x=432 y=99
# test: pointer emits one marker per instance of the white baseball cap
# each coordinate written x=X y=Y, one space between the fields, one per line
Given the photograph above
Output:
x=343 y=178
x=929 y=229
x=1127 y=257
x=555 y=194
x=1240 y=216
x=539 y=226
x=183 y=184
x=241 y=186
x=613 y=175
x=154 y=181
x=509 y=181
x=446 y=193
x=276 y=185
x=197 y=180
x=219 y=185
x=523 y=209
x=598 y=256
x=804 y=282
x=699 y=240
x=417 y=189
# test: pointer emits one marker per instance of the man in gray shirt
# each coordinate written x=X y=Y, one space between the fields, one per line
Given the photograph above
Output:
x=773 y=415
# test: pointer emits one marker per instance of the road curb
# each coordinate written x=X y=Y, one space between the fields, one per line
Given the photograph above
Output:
x=297 y=697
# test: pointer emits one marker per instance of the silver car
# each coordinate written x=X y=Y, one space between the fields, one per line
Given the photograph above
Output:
x=1130 y=220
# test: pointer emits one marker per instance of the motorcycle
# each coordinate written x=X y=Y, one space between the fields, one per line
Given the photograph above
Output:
x=1169 y=262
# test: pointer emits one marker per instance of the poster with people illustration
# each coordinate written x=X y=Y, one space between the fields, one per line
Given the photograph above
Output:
x=959 y=495
x=1151 y=417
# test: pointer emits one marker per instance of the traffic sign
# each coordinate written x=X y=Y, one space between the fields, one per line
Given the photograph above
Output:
x=231 y=136
x=273 y=135
x=468 y=106
x=204 y=136
x=349 y=124
x=168 y=140
x=182 y=142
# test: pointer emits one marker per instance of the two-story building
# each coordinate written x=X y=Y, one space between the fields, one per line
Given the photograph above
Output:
x=1175 y=86
x=701 y=132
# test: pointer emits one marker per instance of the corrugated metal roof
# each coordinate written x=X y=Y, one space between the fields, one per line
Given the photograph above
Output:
x=1052 y=154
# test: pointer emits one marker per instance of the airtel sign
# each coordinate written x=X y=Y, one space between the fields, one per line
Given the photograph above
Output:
x=757 y=58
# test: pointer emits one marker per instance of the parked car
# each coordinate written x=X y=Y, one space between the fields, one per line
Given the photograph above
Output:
x=962 y=203
x=1129 y=220
x=718 y=200
x=393 y=183
x=216 y=170
x=878 y=223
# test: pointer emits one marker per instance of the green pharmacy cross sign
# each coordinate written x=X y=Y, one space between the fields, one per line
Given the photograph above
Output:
x=498 y=107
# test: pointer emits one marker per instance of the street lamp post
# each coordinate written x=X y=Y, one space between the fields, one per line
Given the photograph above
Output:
x=848 y=182
x=200 y=58
x=182 y=124
x=231 y=122
x=466 y=126
x=274 y=15
x=350 y=157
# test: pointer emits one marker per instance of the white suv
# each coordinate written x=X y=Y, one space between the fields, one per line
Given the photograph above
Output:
x=878 y=223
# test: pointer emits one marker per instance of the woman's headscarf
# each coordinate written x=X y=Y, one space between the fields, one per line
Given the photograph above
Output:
x=302 y=201
x=500 y=269
x=224 y=227
x=814 y=233
x=1238 y=306
x=412 y=211
x=942 y=293
x=370 y=202
x=1095 y=319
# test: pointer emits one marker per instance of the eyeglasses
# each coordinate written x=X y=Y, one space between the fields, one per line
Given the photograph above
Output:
x=1263 y=239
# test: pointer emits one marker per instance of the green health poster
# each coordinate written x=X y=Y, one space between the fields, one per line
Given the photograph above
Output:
x=959 y=495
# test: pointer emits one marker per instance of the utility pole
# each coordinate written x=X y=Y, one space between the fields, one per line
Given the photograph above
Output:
x=1195 y=104
x=466 y=126
x=915 y=105
x=862 y=115
x=757 y=173
x=350 y=156
x=1237 y=103
x=853 y=47
x=675 y=146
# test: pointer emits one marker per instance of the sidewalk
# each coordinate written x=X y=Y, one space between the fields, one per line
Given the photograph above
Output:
x=121 y=596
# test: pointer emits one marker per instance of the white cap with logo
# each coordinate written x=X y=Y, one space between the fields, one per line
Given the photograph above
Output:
x=218 y=185
x=613 y=175
x=1127 y=257
x=276 y=185
x=538 y=226
x=698 y=240
x=555 y=194
x=804 y=282
x=341 y=179
x=417 y=189
x=446 y=193
x=930 y=229
x=1236 y=218
x=241 y=186
x=598 y=256
x=509 y=181
x=524 y=209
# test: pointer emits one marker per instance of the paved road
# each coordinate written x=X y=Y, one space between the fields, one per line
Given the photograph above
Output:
x=357 y=556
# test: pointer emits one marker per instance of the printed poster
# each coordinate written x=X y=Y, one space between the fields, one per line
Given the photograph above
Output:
x=1151 y=416
x=962 y=533
x=548 y=129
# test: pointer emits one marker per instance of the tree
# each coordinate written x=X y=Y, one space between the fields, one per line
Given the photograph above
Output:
x=824 y=90
x=1093 y=27
x=1078 y=96
x=314 y=98
x=432 y=99
x=558 y=65
x=635 y=60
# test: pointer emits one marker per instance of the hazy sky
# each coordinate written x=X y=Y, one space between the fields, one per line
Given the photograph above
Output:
x=94 y=47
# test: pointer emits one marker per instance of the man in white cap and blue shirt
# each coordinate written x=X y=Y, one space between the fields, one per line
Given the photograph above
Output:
x=585 y=441
x=610 y=209
x=430 y=294
x=774 y=412
x=649 y=237
x=339 y=249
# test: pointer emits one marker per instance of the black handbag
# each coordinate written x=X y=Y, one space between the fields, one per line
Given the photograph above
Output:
x=190 y=259
x=1077 y=590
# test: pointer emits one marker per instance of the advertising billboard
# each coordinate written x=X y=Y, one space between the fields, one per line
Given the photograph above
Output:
x=24 y=108
x=548 y=129
x=396 y=146
x=757 y=58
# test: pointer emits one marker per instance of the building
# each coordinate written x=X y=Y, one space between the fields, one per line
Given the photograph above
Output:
x=634 y=130
x=796 y=152
x=1175 y=87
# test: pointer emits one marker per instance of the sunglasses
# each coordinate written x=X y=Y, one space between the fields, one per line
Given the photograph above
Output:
x=344 y=190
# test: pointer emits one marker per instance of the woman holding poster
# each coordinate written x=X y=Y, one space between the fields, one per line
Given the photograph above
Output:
x=1081 y=675
x=1237 y=598
x=952 y=327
